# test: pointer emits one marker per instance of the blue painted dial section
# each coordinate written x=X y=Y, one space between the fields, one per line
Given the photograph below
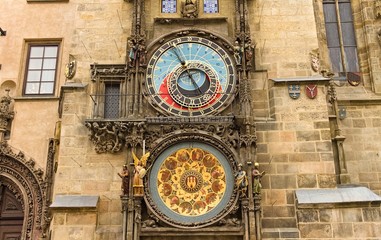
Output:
x=190 y=76
x=192 y=52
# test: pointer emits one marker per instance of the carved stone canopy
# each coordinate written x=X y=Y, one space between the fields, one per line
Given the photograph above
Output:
x=114 y=136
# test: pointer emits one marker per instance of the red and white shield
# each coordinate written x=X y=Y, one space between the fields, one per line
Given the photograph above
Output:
x=311 y=90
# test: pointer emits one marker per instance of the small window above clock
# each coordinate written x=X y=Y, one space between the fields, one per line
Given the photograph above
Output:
x=168 y=6
x=210 y=6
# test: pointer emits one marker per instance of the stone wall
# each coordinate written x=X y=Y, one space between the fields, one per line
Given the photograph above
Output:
x=362 y=129
x=295 y=151
x=357 y=222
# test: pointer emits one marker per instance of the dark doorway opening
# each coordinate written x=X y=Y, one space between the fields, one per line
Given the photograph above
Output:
x=11 y=215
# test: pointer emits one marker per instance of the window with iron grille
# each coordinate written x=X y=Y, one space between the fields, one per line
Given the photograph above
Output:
x=41 y=70
x=168 y=6
x=112 y=99
x=341 y=39
x=210 y=6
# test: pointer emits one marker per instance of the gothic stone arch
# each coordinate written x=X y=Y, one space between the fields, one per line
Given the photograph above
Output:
x=20 y=176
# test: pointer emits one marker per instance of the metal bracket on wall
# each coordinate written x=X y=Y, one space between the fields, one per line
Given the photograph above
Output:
x=342 y=112
x=2 y=32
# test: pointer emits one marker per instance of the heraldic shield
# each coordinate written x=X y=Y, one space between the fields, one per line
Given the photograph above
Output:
x=311 y=90
x=294 y=91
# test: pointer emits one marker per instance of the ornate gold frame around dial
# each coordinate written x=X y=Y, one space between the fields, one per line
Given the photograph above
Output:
x=193 y=191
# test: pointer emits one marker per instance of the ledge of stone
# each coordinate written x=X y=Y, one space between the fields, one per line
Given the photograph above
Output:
x=167 y=20
x=178 y=232
x=345 y=196
x=300 y=79
x=70 y=85
x=67 y=202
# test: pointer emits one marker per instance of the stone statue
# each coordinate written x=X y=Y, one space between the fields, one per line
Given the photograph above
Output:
x=142 y=55
x=139 y=173
x=237 y=53
x=241 y=181
x=249 y=53
x=133 y=54
x=257 y=175
x=189 y=9
x=125 y=180
x=6 y=113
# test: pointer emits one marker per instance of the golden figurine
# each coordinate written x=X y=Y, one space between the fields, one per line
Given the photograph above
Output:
x=139 y=173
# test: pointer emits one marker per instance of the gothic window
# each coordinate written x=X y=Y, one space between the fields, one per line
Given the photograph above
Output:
x=112 y=96
x=41 y=68
x=341 y=39
x=168 y=6
x=210 y=6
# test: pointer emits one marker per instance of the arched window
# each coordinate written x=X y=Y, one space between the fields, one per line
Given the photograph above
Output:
x=341 y=37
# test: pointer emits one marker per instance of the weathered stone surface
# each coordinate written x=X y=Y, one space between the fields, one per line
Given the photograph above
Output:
x=307 y=215
x=327 y=180
x=283 y=181
x=307 y=181
x=315 y=230
x=308 y=135
x=372 y=214
x=342 y=230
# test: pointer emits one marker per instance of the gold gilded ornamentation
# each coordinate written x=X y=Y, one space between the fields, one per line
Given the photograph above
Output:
x=139 y=173
x=191 y=181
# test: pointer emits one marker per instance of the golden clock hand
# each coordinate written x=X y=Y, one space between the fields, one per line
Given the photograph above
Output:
x=193 y=81
x=177 y=50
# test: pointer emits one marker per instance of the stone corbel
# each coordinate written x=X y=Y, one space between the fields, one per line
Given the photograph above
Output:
x=108 y=136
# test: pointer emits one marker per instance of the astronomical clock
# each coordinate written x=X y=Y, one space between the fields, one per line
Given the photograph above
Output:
x=190 y=76
x=187 y=115
x=191 y=80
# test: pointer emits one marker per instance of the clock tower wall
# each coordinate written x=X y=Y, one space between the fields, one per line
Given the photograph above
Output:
x=157 y=22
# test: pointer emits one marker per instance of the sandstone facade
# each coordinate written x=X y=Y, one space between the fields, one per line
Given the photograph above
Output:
x=331 y=141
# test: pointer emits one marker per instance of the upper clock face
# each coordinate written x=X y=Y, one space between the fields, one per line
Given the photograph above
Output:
x=190 y=76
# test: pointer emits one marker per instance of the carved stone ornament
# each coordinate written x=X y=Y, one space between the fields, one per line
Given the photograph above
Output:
x=70 y=68
x=6 y=114
x=315 y=60
x=379 y=36
x=27 y=184
x=189 y=9
x=377 y=8
x=114 y=71
x=113 y=136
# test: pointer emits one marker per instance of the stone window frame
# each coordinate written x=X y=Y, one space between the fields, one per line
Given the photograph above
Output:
x=101 y=98
x=43 y=43
x=343 y=46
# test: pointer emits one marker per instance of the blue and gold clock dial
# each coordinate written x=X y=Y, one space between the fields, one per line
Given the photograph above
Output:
x=190 y=76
